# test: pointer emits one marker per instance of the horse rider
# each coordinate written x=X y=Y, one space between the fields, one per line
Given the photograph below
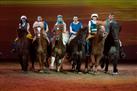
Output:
x=92 y=29
x=60 y=25
x=75 y=26
x=40 y=23
x=23 y=25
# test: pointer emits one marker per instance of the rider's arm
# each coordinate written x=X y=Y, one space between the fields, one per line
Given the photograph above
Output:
x=89 y=27
x=19 y=25
x=34 y=26
x=47 y=28
x=28 y=27
x=64 y=27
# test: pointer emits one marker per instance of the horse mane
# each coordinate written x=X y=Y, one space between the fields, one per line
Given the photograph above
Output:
x=21 y=32
x=81 y=31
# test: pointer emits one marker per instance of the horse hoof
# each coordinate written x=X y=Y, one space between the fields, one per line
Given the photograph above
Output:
x=105 y=72
x=79 y=72
x=41 y=71
x=115 y=73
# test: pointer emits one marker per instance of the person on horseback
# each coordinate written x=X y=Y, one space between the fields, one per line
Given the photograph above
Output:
x=92 y=28
x=43 y=25
x=60 y=25
x=75 y=26
x=23 y=25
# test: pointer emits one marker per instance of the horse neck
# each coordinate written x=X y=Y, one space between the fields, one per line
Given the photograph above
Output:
x=41 y=40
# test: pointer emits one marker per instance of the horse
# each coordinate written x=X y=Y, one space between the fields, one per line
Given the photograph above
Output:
x=76 y=49
x=23 y=49
x=112 y=47
x=41 y=49
x=59 y=49
x=96 y=53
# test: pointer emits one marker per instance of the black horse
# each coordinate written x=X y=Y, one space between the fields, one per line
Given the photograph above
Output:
x=76 y=49
x=112 y=47
x=24 y=50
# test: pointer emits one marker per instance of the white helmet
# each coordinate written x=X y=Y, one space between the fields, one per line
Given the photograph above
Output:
x=96 y=15
x=23 y=17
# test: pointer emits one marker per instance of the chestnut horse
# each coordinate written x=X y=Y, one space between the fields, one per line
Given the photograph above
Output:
x=41 y=47
x=97 y=47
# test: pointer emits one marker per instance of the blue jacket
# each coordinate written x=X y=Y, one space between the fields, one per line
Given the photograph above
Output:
x=93 y=27
x=76 y=27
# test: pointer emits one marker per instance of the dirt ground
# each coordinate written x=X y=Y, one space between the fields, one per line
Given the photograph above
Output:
x=12 y=79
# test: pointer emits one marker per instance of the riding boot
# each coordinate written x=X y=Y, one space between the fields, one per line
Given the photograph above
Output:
x=87 y=48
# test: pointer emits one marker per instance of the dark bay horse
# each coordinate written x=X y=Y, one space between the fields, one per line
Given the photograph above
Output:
x=59 y=49
x=97 y=47
x=112 y=47
x=41 y=48
x=76 y=49
x=24 y=49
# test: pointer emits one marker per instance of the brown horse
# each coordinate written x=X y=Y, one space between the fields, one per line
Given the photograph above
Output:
x=23 y=47
x=97 y=49
x=41 y=46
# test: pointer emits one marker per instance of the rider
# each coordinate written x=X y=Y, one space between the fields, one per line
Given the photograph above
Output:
x=40 y=23
x=75 y=26
x=23 y=25
x=92 y=28
x=59 y=25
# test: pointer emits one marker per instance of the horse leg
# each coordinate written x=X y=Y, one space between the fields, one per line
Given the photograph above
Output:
x=21 y=62
x=78 y=63
x=74 y=61
x=98 y=58
x=86 y=63
x=59 y=65
x=102 y=62
x=25 y=62
x=31 y=63
x=107 y=64
x=114 y=62
x=52 y=62
x=40 y=63
x=92 y=62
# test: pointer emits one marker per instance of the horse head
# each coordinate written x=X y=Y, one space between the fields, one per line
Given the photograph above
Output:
x=38 y=32
x=114 y=30
x=101 y=34
x=82 y=33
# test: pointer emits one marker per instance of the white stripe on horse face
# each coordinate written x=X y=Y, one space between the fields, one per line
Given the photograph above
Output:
x=39 y=30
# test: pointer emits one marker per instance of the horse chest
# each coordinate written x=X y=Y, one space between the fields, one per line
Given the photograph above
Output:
x=97 y=48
